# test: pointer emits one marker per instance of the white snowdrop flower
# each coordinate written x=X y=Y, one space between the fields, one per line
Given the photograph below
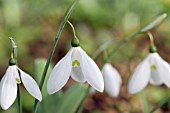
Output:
x=112 y=80
x=8 y=86
x=153 y=69
x=77 y=64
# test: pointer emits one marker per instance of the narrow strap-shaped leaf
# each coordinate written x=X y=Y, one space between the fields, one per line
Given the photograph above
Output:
x=165 y=100
x=72 y=98
x=63 y=22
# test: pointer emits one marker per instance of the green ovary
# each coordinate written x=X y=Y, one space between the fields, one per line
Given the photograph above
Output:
x=153 y=67
x=75 y=62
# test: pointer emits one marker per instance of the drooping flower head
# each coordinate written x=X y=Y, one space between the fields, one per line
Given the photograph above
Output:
x=77 y=64
x=8 y=86
x=153 y=69
x=112 y=80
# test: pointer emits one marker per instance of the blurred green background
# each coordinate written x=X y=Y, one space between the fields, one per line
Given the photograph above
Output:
x=34 y=23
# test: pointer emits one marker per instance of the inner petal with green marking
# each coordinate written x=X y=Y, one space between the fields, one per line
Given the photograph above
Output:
x=153 y=67
x=17 y=80
x=75 y=63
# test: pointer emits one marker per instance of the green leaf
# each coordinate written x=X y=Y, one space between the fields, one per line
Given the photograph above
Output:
x=61 y=27
x=49 y=103
x=68 y=102
x=39 y=65
x=72 y=99
x=154 y=23
x=163 y=102
x=102 y=48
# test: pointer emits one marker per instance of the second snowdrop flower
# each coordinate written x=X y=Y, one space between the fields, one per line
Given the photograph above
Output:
x=77 y=64
x=153 y=69
x=8 y=85
x=112 y=80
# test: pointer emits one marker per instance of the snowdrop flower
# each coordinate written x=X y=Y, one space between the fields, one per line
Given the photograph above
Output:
x=153 y=69
x=8 y=85
x=81 y=67
x=112 y=80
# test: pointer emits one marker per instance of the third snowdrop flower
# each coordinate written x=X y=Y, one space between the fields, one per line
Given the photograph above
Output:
x=8 y=85
x=112 y=80
x=81 y=67
x=153 y=69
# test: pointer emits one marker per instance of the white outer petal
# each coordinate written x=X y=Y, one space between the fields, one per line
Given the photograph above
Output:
x=112 y=80
x=60 y=74
x=8 y=88
x=30 y=85
x=91 y=72
x=164 y=70
x=155 y=78
x=140 y=77
x=76 y=72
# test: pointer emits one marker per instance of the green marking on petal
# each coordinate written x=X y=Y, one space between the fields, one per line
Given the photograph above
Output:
x=75 y=62
x=17 y=80
x=153 y=67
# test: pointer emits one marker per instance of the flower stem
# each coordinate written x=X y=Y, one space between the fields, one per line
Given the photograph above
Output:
x=14 y=56
x=61 y=27
x=19 y=99
x=74 y=32
x=144 y=102
x=151 y=37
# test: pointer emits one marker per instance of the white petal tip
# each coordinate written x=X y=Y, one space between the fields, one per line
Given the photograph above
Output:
x=51 y=91
x=5 y=107
x=39 y=98
x=131 y=91
x=100 y=89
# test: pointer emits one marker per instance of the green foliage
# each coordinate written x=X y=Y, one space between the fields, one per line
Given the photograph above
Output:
x=50 y=102
x=71 y=99
x=39 y=66
x=64 y=103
